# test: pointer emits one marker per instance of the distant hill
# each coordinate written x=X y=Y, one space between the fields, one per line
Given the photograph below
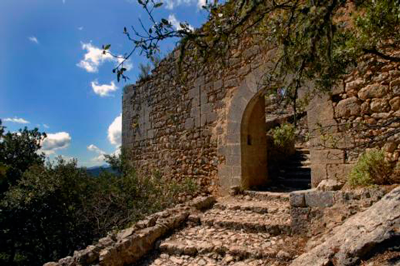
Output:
x=96 y=170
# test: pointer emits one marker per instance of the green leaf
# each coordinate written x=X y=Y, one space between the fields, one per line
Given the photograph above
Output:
x=164 y=21
x=158 y=5
x=107 y=47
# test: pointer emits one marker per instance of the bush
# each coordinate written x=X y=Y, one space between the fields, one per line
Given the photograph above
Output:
x=281 y=144
x=55 y=209
x=371 y=169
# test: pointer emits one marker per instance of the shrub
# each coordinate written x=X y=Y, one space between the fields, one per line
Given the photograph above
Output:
x=370 y=169
x=281 y=143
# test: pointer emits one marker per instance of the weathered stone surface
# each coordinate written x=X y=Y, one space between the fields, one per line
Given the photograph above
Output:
x=348 y=107
x=372 y=91
x=395 y=103
x=297 y=199
x=358 y=236
x=315 y=198
x=380 y=105
x=329 y=185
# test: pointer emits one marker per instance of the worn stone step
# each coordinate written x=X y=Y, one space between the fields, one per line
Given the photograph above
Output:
x=267 y=195
x=296 y=172
x=248 y=204
x=165 y=259
x=303 y=150
x=298 y=165
x=275 y=224
x=202 y=240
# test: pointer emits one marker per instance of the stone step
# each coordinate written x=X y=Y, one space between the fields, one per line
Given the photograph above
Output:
x=297 y=165
x=274 y=224
x=200 y=240
x=165 y=259
x=298 y=183
x=248 y=204
x=296 y=172
x=267 y=195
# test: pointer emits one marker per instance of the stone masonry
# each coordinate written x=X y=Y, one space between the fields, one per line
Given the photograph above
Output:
x=363 y=112
x=207 y=123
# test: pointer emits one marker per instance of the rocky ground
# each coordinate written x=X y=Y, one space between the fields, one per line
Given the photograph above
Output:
x=252 y=229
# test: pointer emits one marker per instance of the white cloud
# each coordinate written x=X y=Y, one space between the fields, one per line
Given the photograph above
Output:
x=54 y=142
x=176 y=23
x=95 y=149
x=201 y=3
x=63 y=1
x=94 y=58
x=80 y=28
x=171 y=4
x=45 y=126
x=99 y=159
x=103 y=89
x=115 y=130
x=16 y=120
x=33 y=39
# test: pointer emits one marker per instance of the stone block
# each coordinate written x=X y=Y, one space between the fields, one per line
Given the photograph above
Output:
x=319 y=199
x=327 y=156
x=318 y=173
x=338 y=172
x=348 y=107
x=297 y=199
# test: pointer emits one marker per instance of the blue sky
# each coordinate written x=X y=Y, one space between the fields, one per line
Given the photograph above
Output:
x=52 y=75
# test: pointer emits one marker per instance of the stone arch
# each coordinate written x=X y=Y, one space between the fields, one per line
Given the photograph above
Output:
x=245 y=122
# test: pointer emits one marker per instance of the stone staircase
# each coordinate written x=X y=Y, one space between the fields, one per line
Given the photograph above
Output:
x=253 y=228
x=295 y=173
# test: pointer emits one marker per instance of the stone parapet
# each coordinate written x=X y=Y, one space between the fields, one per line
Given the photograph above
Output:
x=315 y=211
x=131 y=244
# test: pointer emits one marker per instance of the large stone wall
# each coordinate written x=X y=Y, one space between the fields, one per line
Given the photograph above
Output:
x=362 y=113
x=186 y=120
x=205 y=121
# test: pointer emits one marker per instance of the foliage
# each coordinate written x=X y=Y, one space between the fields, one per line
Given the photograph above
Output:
x=284 y=135
x=145 y=69
x=371 y=168
x=18 y=151
x=57 y=208
x=282 y=142
x=44 y=215
x=317 y=42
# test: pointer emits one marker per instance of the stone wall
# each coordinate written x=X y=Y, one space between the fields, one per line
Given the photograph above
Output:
x=186 y=120
x=203 y=121
x=313 y=211
x=131 y=244
x=363 y=112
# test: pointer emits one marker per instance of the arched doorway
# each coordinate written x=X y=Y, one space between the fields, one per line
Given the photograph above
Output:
x=254 y=144
x=244 y=145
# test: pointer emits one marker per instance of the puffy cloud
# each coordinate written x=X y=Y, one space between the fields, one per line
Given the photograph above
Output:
x=103 y=89
x=80 y=28
x=54 y=142
x=94 y=58
x=176 y=23
x=16 y=120
x=33 y=39
x=94 y=148
x=115 y=130
x=99 y=159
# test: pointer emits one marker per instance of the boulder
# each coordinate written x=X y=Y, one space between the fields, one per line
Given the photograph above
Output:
x=358 y=236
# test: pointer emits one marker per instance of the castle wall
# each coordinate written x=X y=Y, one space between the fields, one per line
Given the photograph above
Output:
x=363 y=112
